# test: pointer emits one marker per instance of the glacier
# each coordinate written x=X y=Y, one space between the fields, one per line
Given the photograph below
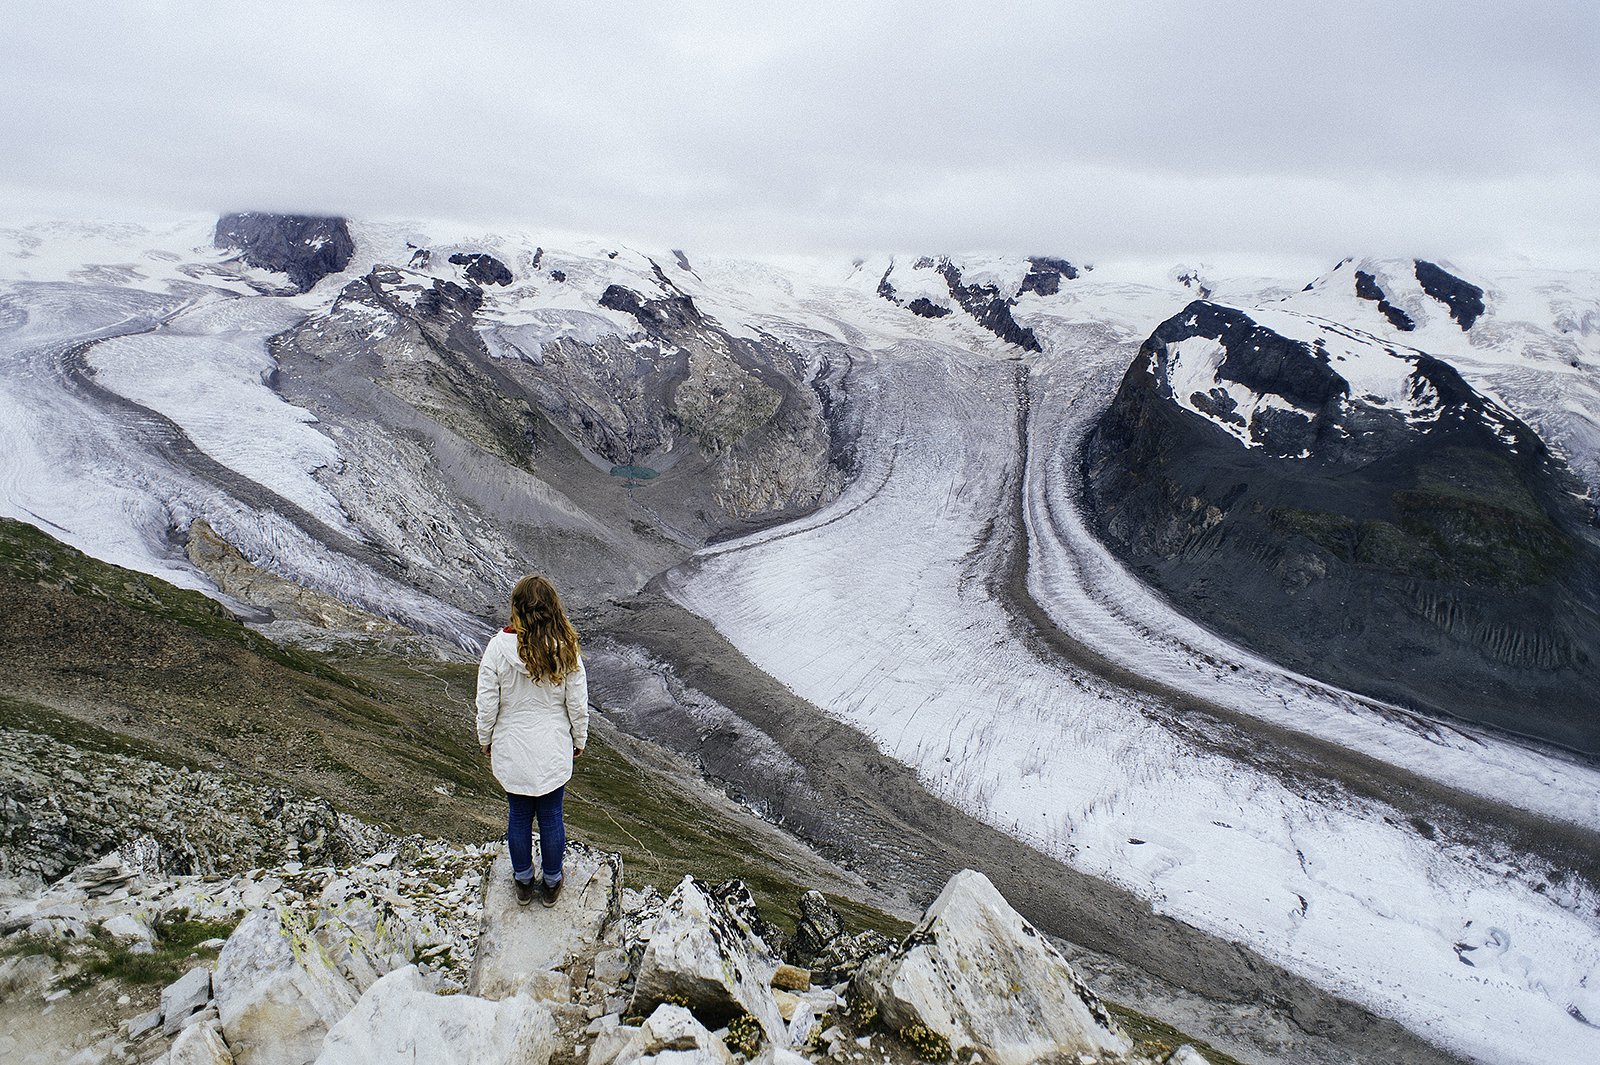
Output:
x=951 y=603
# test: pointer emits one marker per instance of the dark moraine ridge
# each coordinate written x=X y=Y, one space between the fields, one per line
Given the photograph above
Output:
x=1449 y=570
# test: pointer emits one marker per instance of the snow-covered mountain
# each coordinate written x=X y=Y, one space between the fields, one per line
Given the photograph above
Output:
x=1355 y=509
x=867 y=476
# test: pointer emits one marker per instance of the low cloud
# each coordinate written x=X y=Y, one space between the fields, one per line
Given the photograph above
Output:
x=1088 y=129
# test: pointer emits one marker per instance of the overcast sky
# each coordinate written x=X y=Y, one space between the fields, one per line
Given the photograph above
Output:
x=1088 y=129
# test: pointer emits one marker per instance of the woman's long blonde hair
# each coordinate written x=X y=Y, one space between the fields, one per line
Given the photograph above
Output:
x=546 y=641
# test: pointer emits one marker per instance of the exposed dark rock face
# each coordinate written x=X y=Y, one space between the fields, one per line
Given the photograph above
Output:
x=558 y=275
x=984 y=303
x=1422 y=549
x=992 y=310
x=672 y=312
x=1464 y=299
x=1192 y=279
x=305 y=248
x=1046 y=274
x=885 y=289
x=1367 y=288
x=927 y=308
x=482 y=269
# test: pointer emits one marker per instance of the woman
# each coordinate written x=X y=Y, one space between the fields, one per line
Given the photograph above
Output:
x=533 y=720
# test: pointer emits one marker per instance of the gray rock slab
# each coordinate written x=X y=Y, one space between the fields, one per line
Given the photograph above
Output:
x=144 y=1022
x=200 y=1044
x=285 y=977
x=515 y=941
x=185 y=995
x=127 y=926
x=611 y=1042
x=399 y=1019
x=612 y=967
x=671 y=1032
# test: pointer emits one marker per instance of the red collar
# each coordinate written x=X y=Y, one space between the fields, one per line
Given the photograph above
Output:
x=508 y=628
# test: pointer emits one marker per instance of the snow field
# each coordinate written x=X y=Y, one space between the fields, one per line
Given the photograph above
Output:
x=206 y=370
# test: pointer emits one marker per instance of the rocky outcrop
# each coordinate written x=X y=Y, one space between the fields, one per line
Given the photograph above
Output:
x=400 y=1018
x=285 y=977
x=353 y=965
x=991 y=309
x=670 y=1029
x=975 y=979
x=306 y=248
x=702 y=954
x=292 y=606
x=484 y=269
x=515 y=942
x=164 y=819
x=822 y=943
x=1367 y=288
x=984 y=302
x=926 y=308
x=1045 y=275
x=1358 y=512
x=733 y=422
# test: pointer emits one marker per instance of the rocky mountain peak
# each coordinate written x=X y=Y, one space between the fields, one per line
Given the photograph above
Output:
x=1299 y=386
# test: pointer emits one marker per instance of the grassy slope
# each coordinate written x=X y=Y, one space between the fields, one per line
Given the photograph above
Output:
x=117 y=660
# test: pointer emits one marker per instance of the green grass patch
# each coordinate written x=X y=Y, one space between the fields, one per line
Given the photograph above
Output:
x=177 y=950
x=31 y=556
x=1445 y=536
x=1479 y=542
x=25 y=946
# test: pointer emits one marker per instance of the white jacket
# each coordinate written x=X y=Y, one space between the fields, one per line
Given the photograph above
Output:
x=533 y=727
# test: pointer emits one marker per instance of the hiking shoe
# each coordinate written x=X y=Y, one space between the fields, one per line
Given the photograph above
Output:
x=551 y=892
x=524 y=891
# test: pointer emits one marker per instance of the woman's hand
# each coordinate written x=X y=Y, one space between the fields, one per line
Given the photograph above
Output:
x=577 y=752
x=486 y=748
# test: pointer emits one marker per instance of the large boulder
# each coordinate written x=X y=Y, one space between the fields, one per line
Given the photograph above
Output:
x=399 y=1020
x=977 y=975
x=515 y=941
x=703 y=953
x=186 y=995
x=285 y=976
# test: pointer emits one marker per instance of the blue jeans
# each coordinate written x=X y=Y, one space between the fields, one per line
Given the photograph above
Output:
x=519 y=834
